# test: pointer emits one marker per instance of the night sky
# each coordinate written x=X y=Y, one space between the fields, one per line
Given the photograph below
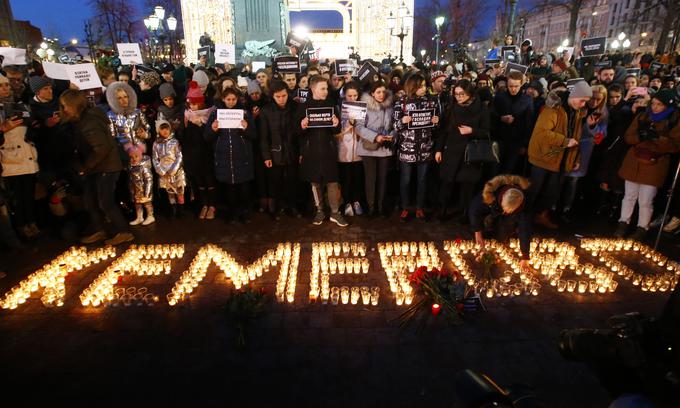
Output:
x=49 y=15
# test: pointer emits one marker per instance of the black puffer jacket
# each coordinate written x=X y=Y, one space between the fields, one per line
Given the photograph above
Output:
x=275 y=128
x=318 y=146
x=521 y=108
x=414 y=146
x=97 y=150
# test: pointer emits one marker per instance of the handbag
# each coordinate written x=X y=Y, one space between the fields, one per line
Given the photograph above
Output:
x=482 y=151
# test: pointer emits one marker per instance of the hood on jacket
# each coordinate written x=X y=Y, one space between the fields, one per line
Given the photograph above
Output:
x=112 y=100
x=493 y=185
x=372 y=104
x=554 y=99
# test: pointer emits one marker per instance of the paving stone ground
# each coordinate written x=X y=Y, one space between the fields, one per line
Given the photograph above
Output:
x=298 y=354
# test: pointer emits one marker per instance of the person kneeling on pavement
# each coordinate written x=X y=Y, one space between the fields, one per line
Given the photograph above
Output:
x=501 y=207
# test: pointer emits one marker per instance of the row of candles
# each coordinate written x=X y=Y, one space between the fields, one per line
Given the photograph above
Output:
x=401 y=259
x=137 y=260
x=52 y=277
x=326 y=261
x=603 y=249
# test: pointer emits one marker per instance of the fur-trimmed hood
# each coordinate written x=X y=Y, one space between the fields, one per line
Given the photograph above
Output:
x=372 y=104
x=554 y=99
x=113 y=100
x=493 y=185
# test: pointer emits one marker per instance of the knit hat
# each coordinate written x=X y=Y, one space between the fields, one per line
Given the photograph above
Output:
x=667 y=97
x=167 y=68
x=166 y=90
x=201 y=78
x=150 y=78
x=161 y=122
x=436 y=74
x=537 y=85
x=3 y=79
x=38 y=82
x=253 y=87
x=482 y=77
x=195 y=95
x=581 y=89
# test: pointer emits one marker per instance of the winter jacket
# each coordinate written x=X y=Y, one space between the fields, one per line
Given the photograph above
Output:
x=233 y=148
x=451 y=144
x=277 y=141
x=97 y=150
x=379 y=120
x=486 y=208
x=414 y=146
x=198 y=154
x=590 y=146
x=614 y=147
x=318 y=146
x=521 y=108
x=18 y=156
x=663 y=140
x=167 y=161
x=556 y=123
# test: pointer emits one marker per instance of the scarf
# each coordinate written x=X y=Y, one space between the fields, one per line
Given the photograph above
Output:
x=199 y=117
x=657 y=117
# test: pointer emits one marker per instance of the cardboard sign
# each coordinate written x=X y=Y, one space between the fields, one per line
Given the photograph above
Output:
x=287 y=64
x=225 y=54
x=633 y=71
x=55 y=71
x=303 y=95
x=320 y=117
x=354 y=110
x=591 y=47
x=367 y=72
x=572 y=82
x=84 y=76
x=509 y=53
x=13 y=56
x=515 y=67
x=421 y=119
x=129 y=53
x=204 y=52
x=258 y=65
x=603 y=64
x=293 y=41
x=143 y=68
x=242 y=82
x=345 y=66
x=229 y=118
x=489 y=63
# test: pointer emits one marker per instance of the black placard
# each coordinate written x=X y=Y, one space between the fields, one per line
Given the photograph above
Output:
x=344 y=66
x=320 y=117
x=603 y=64
x=421 y=119
x=633 y=71
x=143 y=68
x=287 y=64
x=489 y=63
x=294 y=41
x=204 y=51
x=591 y=47
x=303 y=95
x=515 y=67
x=367 y=72
x=655 y=66
x=509 y=53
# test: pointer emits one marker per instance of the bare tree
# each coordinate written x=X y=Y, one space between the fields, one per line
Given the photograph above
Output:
x=573 y=7
x=117 y=18
x=671 y=22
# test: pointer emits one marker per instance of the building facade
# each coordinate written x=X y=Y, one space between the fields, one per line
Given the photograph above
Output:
x=16 y=33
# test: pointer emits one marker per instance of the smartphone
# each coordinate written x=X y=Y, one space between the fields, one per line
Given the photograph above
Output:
x=640 y=90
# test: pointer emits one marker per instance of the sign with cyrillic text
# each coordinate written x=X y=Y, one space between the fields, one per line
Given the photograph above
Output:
x=229 y=118
x=345 y=66
x=591 y=47
x=421 y=119
x=84 y=76
x=225 y=54
x=320 y=117
x=354 y=110
x=287 y=64
x=129 y=53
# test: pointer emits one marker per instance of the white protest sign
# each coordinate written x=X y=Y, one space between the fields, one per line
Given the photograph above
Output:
x=13 y=56
x=225 y=54
x=354 y=110
x=84 y=76
x=229 y=118
x=258 y=65
x=129 y=53
x=55 y=71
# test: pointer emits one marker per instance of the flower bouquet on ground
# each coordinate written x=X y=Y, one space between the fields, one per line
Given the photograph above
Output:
x=438 y=292
x=242 y=307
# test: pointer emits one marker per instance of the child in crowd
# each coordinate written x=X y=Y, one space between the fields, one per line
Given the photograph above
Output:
x=167 y=161
x=349 y=162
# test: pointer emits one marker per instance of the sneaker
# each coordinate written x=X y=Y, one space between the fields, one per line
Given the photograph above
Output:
x=349 y=211
x=420 y=215
x=403 y=217
x=621 y=230
x=204 y=211
x=318 y=218
x=543 y=218
x=339 y=219
x=672 y=225
x=639 y=234
x=120 y=238
x=149 y=220
x=91 y=239
x=357 y=209
x=210 y=214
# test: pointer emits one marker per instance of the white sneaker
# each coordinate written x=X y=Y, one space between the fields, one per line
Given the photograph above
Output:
x=348 y=210
x=357 y=208
x=149 y=220
x=137 y=221
x=204 y=211
x=672 y=225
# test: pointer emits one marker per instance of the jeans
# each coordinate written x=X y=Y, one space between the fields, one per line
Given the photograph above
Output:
x=644 y=195
x=570 y=190
x=405 y=183
x=545 y=189
x=100 y=202
x=375 y=173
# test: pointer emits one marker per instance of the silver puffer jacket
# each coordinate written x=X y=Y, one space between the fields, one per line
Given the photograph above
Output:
x=167 y=161
x=141 y=181
x=125 y=120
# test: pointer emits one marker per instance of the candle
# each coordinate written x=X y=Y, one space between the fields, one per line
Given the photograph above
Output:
x=436 y=309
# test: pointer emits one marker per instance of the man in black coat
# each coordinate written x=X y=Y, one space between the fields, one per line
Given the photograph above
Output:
x=279 y=149
x=515 y=111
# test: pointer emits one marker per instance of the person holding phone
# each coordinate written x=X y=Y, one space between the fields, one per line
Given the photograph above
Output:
x=375 y=147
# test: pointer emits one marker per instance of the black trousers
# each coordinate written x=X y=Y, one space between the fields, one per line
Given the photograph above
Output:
x=351 y=181
x=282 y=185
x=375 y=172
x=238 y=197
x=23 y=191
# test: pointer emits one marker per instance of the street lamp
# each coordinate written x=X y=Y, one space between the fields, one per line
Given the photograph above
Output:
x=172 y=23
x=154 y=24
x=422 y=55
x=159 y=12
x=403 y=20
x=43 y=45
x=74 y=41
x=626 y=43
x=615 y=44
x=438 y=22
x=621 y=36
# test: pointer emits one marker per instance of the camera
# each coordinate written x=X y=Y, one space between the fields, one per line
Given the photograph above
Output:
x=474 y=390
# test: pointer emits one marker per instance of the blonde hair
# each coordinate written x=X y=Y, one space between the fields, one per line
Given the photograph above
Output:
x=512 y=199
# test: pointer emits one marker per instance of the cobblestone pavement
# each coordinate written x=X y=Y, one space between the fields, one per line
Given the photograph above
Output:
x=298 y=354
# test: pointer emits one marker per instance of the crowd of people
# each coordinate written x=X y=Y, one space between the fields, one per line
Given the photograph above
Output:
x=502 y=147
